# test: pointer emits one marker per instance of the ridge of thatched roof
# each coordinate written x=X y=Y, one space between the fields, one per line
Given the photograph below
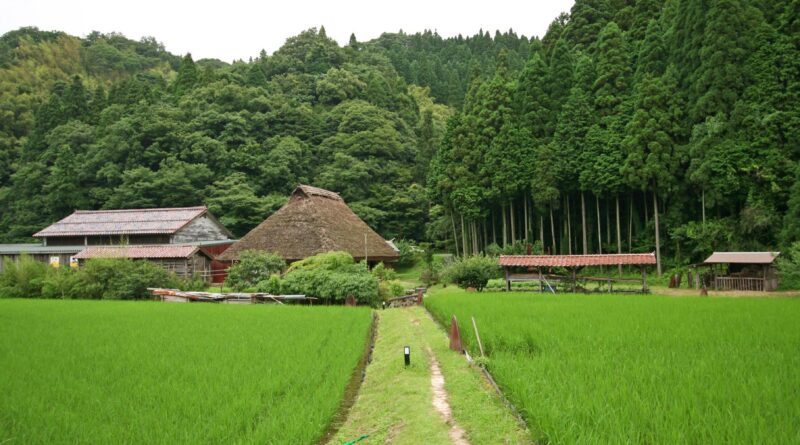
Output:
x=314 y=221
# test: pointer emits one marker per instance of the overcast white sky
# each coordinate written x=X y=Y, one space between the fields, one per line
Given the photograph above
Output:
x=237 y=29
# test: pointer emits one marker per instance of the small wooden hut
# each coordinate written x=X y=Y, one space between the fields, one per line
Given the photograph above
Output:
x=744 y=271
x=519 y=268
x=314 y=221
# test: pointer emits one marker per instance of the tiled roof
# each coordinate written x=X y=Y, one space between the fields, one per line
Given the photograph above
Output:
x=123 y=222
x=577 y=260
x=138 y=252
x=742 y=257
x=33 y=249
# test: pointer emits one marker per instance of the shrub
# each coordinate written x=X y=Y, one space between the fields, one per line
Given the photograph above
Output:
x=193 y=283
x=271 y=285
x=789 y=268
x=64 y=282
x=383 y=273
x=332 y=277
x=23 y=279
x=327 y=260
x=408 y=253
x=253 y=266
x=390 y=289
x=473 y=271
x=121 y=279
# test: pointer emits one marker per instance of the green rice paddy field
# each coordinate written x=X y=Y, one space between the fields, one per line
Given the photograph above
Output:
x=146 y=372
x=640 y=369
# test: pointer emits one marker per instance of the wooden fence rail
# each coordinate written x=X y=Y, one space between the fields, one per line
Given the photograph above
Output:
x=739 y=283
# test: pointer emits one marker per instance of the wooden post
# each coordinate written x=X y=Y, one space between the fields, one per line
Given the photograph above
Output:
x=574 y=281
x=644 y=279
x=455 y=336
x=477 y=336
x=508 y=280
x=541 y=287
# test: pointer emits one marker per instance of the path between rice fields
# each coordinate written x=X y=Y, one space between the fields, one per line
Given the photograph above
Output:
x=438 y=399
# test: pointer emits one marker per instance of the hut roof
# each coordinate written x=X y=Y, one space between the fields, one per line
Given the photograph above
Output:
x=577 y=260
x=742 y=258
x=313 y=221
x=124 y=222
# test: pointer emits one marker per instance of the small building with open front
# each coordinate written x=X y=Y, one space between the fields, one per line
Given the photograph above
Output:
x=743 y=271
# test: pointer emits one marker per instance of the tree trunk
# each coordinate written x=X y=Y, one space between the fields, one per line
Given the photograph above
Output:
x=630 y=223
x=455 y=234
x=583 y=224
x=599 y=230
x=512 y=215
x=494 y=229
x=569 y=228
x=646 y=209
x=505 y=225
x=704 y=206
x=619 y=233
x=474 y=238
x=527 y=228
x=463 y=236
x=541 y=231
x=485 y=235
x=658 y=239
x=608 y=223
x=553 y=231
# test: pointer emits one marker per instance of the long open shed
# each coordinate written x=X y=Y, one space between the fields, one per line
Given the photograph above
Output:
x=534 y=268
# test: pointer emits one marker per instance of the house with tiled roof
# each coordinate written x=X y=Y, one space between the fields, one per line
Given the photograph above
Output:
x=182 y=239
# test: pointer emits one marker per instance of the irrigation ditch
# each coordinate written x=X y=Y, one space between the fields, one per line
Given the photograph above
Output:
x=353 y=386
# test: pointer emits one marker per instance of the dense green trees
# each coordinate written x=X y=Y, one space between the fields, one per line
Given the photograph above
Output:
x=629 y=126
x=673 y=129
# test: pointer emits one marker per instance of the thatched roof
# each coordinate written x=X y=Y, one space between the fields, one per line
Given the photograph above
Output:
x=313 y=221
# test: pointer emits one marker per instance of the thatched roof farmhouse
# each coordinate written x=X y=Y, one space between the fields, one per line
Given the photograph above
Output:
x=314 y=221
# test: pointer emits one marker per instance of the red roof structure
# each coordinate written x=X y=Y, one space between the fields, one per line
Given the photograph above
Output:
x=139 y=252
x=123 y=222
x=577 y=260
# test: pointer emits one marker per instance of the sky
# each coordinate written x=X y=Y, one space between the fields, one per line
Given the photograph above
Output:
x=236 y=29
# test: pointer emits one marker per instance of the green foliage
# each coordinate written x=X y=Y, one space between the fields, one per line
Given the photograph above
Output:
x=23 y=278
x=253 y=267
x=332 y=276
x=408 y=253
x=390 y=289
x=474 y=272
x=789 y=268
x=120 y=279
x=272 y=285
x=383 y=273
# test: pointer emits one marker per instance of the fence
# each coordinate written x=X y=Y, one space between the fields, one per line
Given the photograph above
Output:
x=739 y=283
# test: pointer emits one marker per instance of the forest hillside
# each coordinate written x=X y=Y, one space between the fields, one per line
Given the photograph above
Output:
x=629 y=125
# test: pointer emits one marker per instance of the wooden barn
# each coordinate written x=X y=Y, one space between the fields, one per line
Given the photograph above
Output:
x=314 y=221
x=744 y=271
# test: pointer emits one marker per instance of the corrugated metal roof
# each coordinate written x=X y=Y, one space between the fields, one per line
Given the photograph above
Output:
x=17 y=249
x=742 y=258
x=577 y=260
x=123 y=222
x=138 y=252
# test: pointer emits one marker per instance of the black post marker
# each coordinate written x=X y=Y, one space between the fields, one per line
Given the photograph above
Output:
x=407 y=355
